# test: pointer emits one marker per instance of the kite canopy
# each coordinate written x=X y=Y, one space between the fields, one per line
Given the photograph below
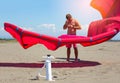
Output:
x=98 y=32
x=107 y=8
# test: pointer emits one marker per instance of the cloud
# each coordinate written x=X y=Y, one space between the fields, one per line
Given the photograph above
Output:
x=28 y=28
x=85 y=27
x=1 y=28
x=47 y=28
x=47 y=25
x=84 y=30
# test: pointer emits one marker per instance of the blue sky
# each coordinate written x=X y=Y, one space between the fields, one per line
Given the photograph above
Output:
x=46 y=16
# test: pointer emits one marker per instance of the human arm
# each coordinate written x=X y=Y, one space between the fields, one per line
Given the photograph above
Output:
x=65 y=26
x=68 y=25
x=77 y=25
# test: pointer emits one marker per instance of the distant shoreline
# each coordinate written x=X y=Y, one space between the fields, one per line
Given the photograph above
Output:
x=14 y=40
x=7 y=40
x=113 y=41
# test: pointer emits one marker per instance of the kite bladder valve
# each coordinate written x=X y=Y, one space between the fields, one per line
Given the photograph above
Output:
x=48 y=66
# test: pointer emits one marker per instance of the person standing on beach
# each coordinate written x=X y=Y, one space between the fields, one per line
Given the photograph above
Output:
x=72 y=25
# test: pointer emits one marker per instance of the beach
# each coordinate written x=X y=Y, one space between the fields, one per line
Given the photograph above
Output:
x=15 y=64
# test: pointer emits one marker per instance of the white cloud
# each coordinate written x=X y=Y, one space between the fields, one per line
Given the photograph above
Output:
x=84 y=30
x=27 y=28
x=1 y=28
x=85 y=27
x=47 y=25
x=51 y=28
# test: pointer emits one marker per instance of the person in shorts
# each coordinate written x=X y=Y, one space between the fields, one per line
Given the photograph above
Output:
x=72 y=25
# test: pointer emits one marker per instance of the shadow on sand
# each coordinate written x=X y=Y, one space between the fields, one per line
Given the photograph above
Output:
x=60 y=64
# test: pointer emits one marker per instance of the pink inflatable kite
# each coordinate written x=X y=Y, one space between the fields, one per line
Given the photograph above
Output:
x=98 y=32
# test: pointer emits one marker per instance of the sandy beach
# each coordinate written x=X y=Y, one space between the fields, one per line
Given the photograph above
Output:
x=107 y=54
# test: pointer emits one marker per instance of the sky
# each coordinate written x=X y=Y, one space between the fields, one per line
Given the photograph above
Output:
x=46 y=16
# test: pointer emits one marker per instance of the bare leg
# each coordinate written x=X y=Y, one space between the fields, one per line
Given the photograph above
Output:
x=68 y=54
x=76 y=54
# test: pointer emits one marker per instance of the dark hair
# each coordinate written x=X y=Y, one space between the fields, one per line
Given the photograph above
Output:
x=68 y=15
